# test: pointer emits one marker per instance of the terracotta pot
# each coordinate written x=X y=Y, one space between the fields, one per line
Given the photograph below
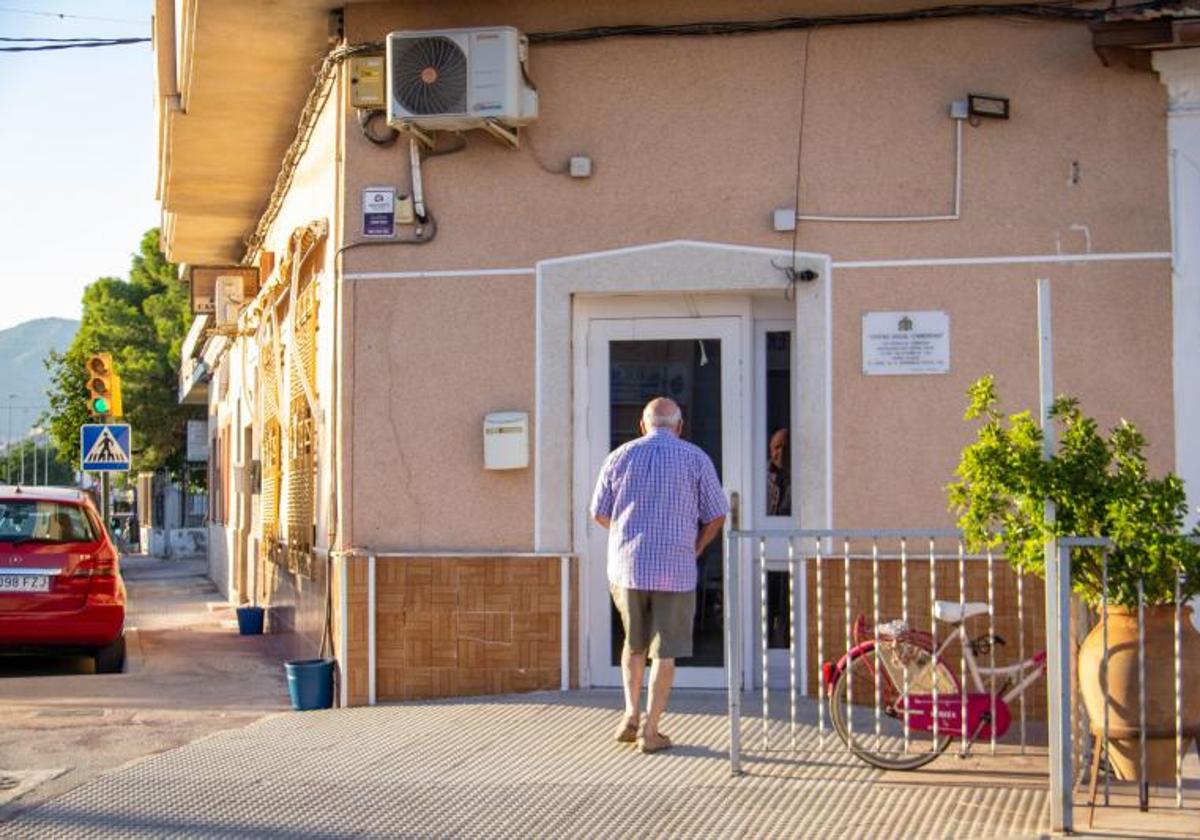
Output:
x=1121 y=684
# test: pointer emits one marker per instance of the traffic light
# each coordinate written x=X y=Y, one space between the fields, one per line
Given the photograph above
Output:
x=104 y=386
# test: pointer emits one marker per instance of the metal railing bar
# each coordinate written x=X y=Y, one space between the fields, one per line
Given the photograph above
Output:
x=1104 y=665
x=875 y=637
x=819 y=574
x=991 y=602
x=847 y=533
x=849 y=645
x=889 y=557
x=1021 y=649
x=732 y=664
x=962 y=648
x=1143 y=785
x=934 y=658
x=763 y=631
x=1178 y=690
x=904 y=620
x=792 y=635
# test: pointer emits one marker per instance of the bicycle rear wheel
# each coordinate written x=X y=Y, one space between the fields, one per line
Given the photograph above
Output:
x=887 y=749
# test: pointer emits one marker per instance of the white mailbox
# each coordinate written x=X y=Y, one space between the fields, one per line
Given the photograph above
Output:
x=506 y=440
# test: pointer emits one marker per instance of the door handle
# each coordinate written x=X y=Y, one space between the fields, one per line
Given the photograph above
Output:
x=735 y=510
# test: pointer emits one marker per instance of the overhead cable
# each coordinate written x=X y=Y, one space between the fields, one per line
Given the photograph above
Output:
x=78 y=45
x=64 y=15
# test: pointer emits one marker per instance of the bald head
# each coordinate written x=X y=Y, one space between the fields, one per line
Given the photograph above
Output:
x=662 y=413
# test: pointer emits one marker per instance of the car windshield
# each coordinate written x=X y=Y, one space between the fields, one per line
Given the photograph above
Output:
x=42 y=521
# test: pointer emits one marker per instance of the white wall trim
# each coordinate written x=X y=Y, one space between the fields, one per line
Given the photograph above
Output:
x=564 y=623
x=1039 y=259
x=1179 y=71
x=916 y=262
x=664 y=268
x=343 y=635
x=371 y=637
x=448 y=272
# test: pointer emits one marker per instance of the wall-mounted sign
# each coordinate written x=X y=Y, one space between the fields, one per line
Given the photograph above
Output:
x=905 y=343
x=197 y=440
x=379 y=211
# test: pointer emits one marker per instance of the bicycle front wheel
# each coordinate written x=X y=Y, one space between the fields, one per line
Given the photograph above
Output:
x=884 y=746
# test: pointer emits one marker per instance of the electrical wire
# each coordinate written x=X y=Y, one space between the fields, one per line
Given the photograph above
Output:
x=64 y=15
x=367 y=118
x=792 y=273
x=111 y=42
x=1060 y=11
x=61 y=40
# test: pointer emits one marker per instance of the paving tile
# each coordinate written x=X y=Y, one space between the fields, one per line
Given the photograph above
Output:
x=525 y=765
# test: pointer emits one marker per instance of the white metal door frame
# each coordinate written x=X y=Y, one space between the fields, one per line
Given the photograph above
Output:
x=726 y=318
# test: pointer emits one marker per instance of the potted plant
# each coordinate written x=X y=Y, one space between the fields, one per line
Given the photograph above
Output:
x=1101 y=487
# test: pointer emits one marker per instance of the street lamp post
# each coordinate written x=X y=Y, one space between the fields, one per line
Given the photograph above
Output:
x=8 y=443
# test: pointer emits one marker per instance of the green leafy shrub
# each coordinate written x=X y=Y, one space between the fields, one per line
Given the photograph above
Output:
x=1100 y=488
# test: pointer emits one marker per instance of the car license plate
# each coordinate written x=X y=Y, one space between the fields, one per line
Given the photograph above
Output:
x=24 y=583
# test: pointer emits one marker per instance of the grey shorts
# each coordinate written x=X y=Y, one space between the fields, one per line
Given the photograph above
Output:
x=659 y=623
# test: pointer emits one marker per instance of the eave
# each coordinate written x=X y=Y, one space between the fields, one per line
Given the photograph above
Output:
x=232 y=79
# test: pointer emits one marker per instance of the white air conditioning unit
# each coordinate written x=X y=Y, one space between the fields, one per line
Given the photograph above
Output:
x=228 y=299
x=458 y=79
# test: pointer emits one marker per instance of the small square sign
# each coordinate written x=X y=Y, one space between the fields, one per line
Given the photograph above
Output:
x=104 y=447
x=379 y=212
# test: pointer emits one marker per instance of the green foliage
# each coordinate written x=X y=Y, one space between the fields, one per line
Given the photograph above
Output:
x=142 y=322
x=1100 y=488
x=29 y=454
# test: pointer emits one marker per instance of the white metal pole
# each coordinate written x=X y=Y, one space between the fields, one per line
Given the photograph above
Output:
x=1058 y=587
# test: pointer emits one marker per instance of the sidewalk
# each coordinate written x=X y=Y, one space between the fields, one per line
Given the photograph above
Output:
x=187 y=675
x=517 y=766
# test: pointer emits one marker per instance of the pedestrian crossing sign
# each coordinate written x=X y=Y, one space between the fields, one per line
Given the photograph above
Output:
x=104 y=447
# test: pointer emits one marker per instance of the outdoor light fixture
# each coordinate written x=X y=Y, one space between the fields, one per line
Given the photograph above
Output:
x=993 y=107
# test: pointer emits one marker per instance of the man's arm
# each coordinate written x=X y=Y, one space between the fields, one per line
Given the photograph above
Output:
x=602 y=521
x=707 y=533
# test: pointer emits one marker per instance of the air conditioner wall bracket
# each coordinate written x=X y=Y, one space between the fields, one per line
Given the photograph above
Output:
x=511 y=136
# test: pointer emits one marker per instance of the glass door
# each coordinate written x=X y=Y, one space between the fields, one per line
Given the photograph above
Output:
x=695 y=362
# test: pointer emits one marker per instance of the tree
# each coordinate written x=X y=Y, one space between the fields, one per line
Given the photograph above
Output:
x=20 y=458
x=142 y=322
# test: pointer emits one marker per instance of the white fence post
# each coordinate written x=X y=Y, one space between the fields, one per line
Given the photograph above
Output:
x=1058 y=591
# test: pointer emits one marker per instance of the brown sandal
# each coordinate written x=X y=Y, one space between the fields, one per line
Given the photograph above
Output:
x=654 y=743
x=627 y=732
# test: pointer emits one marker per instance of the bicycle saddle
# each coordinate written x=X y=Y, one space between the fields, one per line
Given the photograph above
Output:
x=953 y=612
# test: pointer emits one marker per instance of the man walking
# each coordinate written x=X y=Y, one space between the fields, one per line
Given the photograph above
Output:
x=662 y=503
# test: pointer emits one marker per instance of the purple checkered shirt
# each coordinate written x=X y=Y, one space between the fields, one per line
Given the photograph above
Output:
x=657 y=490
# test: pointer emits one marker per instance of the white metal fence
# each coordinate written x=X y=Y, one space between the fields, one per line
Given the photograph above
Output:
x=906 y=608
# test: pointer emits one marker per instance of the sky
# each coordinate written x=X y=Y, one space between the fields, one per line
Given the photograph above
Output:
x=77 y=153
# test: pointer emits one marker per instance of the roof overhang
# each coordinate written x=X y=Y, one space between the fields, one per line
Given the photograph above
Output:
x=232 y=80
x=1131 y=41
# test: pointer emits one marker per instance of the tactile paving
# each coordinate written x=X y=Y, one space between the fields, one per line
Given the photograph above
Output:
x=534 y=765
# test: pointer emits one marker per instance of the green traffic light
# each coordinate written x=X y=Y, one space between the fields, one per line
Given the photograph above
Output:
x=100 y=405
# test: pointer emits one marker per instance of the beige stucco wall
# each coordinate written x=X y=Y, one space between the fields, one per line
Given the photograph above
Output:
x=697 y=138
x=897 y=439
x=431 y=357
x=296 y=602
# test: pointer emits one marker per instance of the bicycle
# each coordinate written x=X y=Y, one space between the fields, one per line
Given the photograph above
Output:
x=914 y=681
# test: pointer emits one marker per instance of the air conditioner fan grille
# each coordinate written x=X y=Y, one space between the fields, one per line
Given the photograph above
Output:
x=429 y=76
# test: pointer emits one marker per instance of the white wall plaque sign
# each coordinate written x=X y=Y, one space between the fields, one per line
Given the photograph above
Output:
x=905 y=343
x=197 y=440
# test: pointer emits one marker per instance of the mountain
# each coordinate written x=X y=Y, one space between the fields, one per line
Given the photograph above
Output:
x=23 y=375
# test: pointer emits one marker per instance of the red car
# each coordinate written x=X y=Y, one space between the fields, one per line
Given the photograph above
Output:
x=60 y=579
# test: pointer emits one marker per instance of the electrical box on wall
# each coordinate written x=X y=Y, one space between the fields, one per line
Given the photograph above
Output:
x=367 y=88
x=506 y=440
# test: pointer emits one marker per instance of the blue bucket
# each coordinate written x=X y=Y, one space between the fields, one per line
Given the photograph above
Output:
x=310 y=683
x=250 y=620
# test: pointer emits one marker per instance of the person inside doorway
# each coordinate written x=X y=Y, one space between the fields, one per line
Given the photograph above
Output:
x=662 y=503
x=779 y=475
